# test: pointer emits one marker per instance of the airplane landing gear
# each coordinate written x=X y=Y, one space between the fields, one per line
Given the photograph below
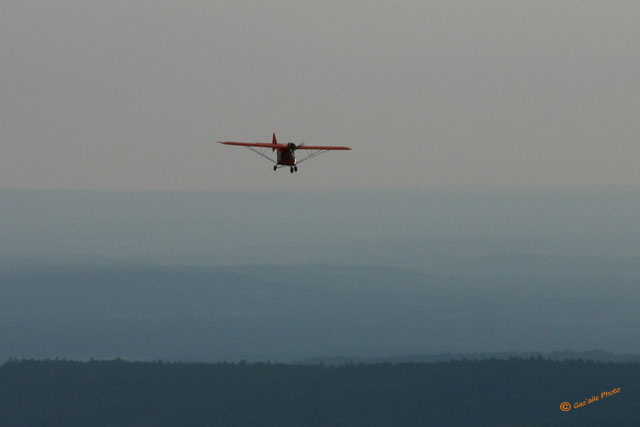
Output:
x=275 y=167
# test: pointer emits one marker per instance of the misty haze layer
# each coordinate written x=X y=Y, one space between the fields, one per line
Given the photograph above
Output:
x=281 y=276
x=423 y=230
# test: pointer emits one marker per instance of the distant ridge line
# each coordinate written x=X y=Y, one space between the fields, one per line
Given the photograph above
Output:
x=590 y=355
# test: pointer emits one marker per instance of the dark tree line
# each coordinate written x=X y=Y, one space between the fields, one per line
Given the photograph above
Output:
x=523 y=392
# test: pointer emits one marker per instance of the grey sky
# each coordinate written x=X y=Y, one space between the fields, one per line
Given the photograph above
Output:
x=129 y=95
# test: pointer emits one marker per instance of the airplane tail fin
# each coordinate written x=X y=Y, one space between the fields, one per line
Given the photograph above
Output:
x=274 y=142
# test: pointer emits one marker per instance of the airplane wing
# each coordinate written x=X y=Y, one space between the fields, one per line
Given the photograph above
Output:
x=316 y=150
x=254 y=144
x=281 y=146
x=321 y=147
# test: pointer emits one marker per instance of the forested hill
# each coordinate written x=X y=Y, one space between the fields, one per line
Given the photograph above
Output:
x=524 y=392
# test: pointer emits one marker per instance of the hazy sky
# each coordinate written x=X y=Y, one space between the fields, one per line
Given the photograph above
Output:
x=130 y=95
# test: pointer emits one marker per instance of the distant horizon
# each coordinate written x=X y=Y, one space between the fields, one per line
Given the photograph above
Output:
x=596 y=355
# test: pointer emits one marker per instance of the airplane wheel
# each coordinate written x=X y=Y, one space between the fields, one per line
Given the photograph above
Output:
x=291 y=170
x=295 y=168
x=274 y=168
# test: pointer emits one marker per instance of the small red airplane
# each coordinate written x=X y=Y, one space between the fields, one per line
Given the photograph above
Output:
x=286 y=152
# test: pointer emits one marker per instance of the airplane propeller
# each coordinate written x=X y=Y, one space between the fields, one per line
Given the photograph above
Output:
x=294 y=147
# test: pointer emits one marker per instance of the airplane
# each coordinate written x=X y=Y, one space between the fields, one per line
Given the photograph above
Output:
x=286 y=152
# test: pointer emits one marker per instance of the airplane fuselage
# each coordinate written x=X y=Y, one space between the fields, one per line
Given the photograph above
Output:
x=286 y=157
